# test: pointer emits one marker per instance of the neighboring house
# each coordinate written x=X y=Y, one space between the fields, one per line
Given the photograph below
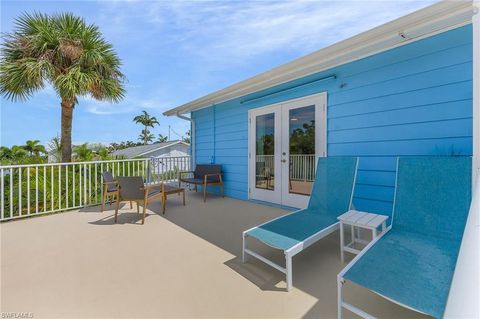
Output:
x=53 y=157
x=172 y=148
x=404 y=88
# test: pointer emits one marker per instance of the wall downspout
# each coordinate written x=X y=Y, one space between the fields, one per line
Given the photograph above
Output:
x=192 y=138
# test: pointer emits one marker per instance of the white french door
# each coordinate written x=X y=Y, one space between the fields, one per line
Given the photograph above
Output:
x=285 y=141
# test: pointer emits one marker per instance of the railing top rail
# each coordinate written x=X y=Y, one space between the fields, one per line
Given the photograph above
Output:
x=91 y=162
x=74 y=163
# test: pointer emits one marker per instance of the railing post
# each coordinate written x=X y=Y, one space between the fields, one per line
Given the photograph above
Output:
x=2 y=191
x=84 y=184
x=20 y=191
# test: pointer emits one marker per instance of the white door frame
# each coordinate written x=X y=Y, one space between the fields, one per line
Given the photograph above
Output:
x=281 y=145
x=264 y=194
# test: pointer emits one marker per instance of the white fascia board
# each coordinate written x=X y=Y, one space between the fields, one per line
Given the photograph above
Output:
x=434 y=19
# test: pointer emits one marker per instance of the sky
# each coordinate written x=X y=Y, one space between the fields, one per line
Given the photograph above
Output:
x=175 y=51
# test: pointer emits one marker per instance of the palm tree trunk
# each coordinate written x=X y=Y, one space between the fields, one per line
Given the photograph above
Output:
x=145 y=136
x=66 y=136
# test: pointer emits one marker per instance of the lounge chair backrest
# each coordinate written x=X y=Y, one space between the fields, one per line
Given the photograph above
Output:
x=203 y=169
x=108 y=178
x=131 y=187
x=333 y=187
x=433 y=195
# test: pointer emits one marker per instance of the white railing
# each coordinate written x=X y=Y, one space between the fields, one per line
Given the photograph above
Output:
x=302 y=167
x=167 y=168
x=35 y=189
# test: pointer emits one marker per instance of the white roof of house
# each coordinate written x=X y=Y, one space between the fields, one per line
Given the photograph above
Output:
x=144 y=150
x=433 y=19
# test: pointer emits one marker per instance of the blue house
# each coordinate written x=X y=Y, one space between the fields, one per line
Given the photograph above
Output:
x=408 y=87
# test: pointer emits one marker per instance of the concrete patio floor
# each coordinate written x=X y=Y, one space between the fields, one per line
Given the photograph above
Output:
x=185 y=264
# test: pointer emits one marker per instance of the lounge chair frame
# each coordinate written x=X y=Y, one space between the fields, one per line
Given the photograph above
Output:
x=289 y=253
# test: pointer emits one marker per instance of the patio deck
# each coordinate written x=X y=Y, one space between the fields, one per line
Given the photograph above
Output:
x=80 y=264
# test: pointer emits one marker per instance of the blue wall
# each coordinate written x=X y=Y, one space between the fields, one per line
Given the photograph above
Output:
x=412 y=100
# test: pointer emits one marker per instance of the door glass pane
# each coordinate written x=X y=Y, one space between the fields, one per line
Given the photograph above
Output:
x=302 y=150
x=265 y=151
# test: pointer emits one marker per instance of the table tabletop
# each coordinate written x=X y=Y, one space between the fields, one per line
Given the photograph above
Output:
x=362 y=219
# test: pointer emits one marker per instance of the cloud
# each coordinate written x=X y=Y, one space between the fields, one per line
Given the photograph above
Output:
x=233 y=32
x=128 y=105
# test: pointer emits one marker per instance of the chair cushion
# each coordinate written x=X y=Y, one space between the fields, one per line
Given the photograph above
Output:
x=131 y=187
x=203 y=169
x=111 y=184
x=172 y=188
x=412 y=269
x=192 y=180
x=153 y=192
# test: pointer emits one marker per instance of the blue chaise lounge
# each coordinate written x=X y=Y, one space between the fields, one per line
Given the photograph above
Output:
x=331 y=196
x=412 y=264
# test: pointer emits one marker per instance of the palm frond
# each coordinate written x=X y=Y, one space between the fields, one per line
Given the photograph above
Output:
x=61 y=49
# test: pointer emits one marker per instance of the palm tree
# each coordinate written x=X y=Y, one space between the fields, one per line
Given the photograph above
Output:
x=161 y=139
x=33 y=147
x=64 y=51
x=55 y=147
x=147 y=121
x=13 y=155
x=186 y=138
x=17 y=153
x=5 y=153
x=83 y=153
x=103 y=154
x=146 y=136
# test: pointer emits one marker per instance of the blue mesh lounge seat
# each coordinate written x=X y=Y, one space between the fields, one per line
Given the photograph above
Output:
x=331 y=196
x=412 y=264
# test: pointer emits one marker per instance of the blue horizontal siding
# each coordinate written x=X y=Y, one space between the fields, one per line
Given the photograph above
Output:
x=412 y=100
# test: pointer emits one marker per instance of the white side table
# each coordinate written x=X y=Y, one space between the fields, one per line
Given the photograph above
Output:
x=357 y=220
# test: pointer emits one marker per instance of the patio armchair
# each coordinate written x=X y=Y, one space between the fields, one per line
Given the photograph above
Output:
x=110 y=189
x=132 y=188
x=204 y=175
x=264 y=174
x=412 y=264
